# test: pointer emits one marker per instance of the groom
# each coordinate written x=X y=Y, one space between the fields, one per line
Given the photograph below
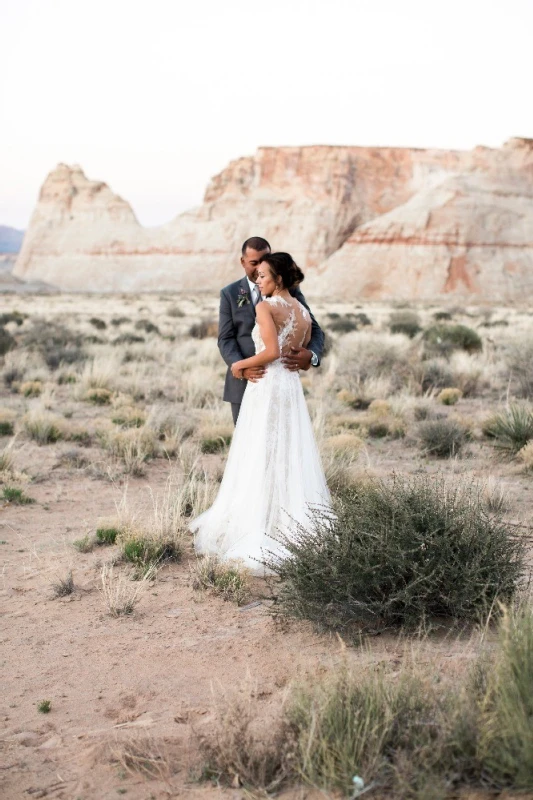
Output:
x=237 y=318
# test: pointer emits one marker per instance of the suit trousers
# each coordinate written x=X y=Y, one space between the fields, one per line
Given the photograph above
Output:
x=235 y=408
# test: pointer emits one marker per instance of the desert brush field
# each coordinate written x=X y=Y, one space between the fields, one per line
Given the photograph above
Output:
x=391 y=654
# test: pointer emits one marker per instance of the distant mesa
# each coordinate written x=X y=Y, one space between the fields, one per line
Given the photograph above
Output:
x=10 y=239
x=362 y=222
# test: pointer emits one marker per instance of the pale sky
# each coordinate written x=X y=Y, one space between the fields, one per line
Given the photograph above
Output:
x=156 y=97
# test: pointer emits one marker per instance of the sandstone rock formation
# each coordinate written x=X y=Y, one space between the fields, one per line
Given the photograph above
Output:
x=368 y=222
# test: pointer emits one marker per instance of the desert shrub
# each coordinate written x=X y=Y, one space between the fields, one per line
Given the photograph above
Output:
x=65 y=378
x=85 y=544
x=12 y=316
x=368 y=355
x=215 y=444
x=395 y=553
x=344 y=324
x=229 y=581
x=407 y=322
x=443 y=339
x=31 y=388
x=7 y=342
x=203 y=329
x=511 y=429
x=440 y=316
x=449 y=396
x=44 y=707
x=128 y=338
x=98 y=323
x=116 y=321
x=7 y=422
x=435 y=374
x=16 y=496
x=56 y=343
x=520 y=365
x=442 y=437
x=146 y=326
x=176 y=312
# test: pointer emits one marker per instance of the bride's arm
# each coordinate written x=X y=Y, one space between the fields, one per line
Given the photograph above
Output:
x=269 y=336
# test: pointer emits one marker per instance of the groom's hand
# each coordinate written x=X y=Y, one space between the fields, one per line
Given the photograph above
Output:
x=253 y=374
x=297 y=358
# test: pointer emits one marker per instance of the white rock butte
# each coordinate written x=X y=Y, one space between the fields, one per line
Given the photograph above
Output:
x=361 y=222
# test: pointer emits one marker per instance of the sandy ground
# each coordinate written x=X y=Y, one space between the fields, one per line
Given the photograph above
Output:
x=150 y=682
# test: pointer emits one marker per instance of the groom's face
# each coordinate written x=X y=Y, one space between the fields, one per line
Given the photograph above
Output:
x=250 y=261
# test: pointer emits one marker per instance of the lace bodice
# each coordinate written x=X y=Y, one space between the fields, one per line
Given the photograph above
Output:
x=292 y=321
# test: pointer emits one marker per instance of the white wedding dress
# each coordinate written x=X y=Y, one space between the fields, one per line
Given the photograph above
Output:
x=273 y=473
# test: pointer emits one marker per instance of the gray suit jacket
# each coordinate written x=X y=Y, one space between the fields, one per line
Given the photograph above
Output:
x=235 y=332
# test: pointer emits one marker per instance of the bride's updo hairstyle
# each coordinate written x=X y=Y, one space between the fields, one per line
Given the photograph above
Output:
x=283 y=266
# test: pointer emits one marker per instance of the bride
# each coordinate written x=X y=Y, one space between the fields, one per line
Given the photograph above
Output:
x=273 y=473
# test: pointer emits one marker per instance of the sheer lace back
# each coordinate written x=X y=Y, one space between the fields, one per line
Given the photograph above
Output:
x=292 y=321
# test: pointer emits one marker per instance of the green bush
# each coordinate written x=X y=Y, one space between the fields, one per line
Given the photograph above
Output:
x=343 y=324
x=99 y=324
x=6 y=427
x=406 y=322
x=12 y=316
x=442 y=437
x=146 y=326
x=16 y=496
x=143 y=551
x=397 y=553
x=106 y=535
x=511 y=429
x=128 y=338
x=443 y=339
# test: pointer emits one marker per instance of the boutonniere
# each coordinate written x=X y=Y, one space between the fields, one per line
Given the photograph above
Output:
x=244 y=298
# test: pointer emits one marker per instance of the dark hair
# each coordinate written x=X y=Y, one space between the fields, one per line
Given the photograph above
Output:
x=256 y=243
x=282 y=265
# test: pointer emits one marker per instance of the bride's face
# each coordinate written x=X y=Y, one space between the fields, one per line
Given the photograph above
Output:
x=265 y=280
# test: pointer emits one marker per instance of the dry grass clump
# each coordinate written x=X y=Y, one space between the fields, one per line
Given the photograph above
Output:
x=203 y=329
x=397 y=553
x=525 y=455
x=443 y=438
x=519 y=362
x=340 y=455
x=99 y=373
x=62 y=587
x=134 y=447
x=449 y=397
x=100 y=397
x=31 y=388
x=406 y=734
x=143 y=755
x=242 y=748
x=128 y=416
x=227 y=580
x=511 y=429
x=369 y=355
x=119 y=594
x=496 y=497
x=43 y=427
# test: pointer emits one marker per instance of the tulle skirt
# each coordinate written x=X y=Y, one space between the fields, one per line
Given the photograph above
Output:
x=273 y=474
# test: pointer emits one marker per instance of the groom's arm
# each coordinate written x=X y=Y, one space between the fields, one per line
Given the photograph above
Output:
x=227 y=335
x=316 y=343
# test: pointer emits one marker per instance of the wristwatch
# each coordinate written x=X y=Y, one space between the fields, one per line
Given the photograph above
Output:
x=314 y=359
